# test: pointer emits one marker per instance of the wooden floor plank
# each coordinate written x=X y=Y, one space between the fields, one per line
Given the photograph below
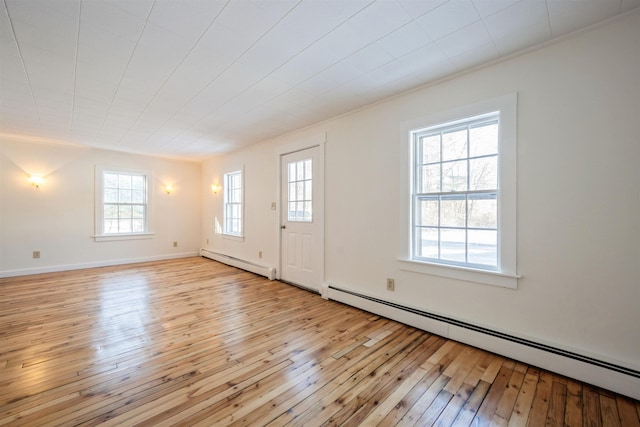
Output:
x=627 y=412
x=194 y=342
x=557 y=404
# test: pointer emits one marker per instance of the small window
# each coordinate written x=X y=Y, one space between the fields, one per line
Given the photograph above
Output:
x=300 y=194
x=233 y=202
x=124 y=203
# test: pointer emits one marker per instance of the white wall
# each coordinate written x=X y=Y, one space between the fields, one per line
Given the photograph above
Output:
x=260 y=222
x=58 y=218
x=578 y=196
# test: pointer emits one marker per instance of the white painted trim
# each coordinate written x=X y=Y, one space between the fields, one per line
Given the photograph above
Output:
x=487 y=277
x=69 y=267
x=116 y=237
x=586 y=372
x=263 y=270
x=99 y=170
x=508 y=276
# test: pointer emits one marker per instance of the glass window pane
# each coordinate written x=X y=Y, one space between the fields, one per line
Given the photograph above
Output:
x=111 y=196
x=307 y=191
x=483 y=173
x=454 y=176
x=110 y=226
x=137 y=196
x=428 y=212
x=138 y=212
x=430 y=179
x=427 y=242
x=431 y=149
x=124 y=181
x=483 y=140
x=299 y=171
x=137 y=182
x=110 y=211
x=125 y=211
x=483 y=247
x=110 y=180
x=453 y=211
x=454 y=145
x=138 y=225
x=236 y=196
x=292 y=191
x=124 y=196
x=124 y=226
x=299 y=190
x=292 y=172
x=452 y=245
x=483 y=212
x=307 y=169
x=292 y=211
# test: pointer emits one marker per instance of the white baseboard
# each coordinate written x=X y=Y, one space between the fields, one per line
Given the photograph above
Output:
x=561 y=362
x=268 y=272
x=79 y=266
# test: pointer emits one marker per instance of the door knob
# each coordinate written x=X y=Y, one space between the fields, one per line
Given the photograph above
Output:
x=283 y=226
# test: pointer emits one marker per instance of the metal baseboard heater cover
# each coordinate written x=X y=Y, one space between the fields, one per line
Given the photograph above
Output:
x=268 y=272
x=622 y=379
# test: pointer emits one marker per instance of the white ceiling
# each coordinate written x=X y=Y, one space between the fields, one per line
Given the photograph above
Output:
x=189 y=78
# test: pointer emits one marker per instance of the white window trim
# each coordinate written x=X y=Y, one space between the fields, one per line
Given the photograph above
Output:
x=507 y=275
x=225 y=235
x=99 y=235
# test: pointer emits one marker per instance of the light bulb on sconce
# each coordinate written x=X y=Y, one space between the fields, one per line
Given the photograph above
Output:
x=168 y=188
x=215 y=188
x=36 y=180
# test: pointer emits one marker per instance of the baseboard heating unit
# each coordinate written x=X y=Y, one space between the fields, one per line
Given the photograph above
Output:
x=609 y=375
x=268 y=272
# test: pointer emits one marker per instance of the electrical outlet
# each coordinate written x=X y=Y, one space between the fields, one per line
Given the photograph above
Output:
x=273 y=206
x=175 y=244
x=259 y=254
x=391 y=284
x=36 y=254
x=207 y=240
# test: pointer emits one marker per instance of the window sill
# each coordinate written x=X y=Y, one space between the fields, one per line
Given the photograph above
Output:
x=232 y=237
x=117 y=237
x=494 y=278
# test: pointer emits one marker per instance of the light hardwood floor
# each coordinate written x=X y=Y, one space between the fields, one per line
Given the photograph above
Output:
x=194 y=342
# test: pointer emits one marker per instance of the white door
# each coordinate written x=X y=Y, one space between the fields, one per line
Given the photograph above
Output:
x=302 y=216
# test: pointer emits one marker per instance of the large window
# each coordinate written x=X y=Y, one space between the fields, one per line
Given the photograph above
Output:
x=233 y=203
x=455 y=192
x=462 y=191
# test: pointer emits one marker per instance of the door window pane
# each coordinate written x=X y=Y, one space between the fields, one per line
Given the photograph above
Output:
x=300 y=194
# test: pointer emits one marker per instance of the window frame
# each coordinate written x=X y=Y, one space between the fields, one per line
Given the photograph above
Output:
x=226 y=188
x=505 y=273
x=307 y=191
x=100 y=234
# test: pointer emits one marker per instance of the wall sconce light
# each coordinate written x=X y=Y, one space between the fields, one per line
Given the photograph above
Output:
x=36 y=180
x=168 y=188
x=215 y=188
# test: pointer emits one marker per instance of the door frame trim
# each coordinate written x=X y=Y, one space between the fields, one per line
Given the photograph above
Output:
x=293 y=146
